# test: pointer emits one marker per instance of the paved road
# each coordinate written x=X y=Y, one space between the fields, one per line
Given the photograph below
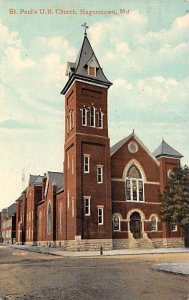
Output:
x=25 y=275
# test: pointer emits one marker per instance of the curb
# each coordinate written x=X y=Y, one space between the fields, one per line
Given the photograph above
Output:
x=169 y=271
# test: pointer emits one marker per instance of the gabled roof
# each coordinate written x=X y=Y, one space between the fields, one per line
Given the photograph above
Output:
x=4 y=212
x=32 y=178
x=60 y=190
x=35 y=179
x=79 y=68
x=11 y=209
x=165 y=150
x=118 y=145
x=56 y=178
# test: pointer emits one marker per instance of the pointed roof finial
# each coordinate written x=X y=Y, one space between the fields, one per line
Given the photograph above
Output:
x=86 y=27
x=133 y=131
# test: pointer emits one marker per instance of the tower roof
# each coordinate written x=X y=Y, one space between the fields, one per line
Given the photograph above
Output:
x=79 y=68
x=165 y=150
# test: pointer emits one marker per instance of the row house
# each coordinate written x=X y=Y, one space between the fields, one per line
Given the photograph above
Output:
x=37 y=216
x=8 y=224
x=0 y=230
x=49 y=209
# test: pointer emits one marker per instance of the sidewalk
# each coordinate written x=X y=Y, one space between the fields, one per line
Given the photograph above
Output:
x=60 y=252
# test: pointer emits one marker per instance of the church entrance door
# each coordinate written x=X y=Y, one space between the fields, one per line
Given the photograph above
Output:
x=135 y=225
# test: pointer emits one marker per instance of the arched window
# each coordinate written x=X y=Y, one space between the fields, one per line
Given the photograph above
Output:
x=49 y=218
x=67 y=125
x=84 y=116
x=92 y=116
x=116 y=223
x=153 y=224
x=134 y=185
x=100 y=119
x=173 y=226
x=60 y=218
x=70 y=119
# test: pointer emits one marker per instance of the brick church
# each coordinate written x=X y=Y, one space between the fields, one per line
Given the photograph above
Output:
x=105 y=196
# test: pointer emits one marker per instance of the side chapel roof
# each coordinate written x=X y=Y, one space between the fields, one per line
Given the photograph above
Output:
x=166 y=150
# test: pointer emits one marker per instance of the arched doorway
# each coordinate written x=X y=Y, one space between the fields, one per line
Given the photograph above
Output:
x=135 y=225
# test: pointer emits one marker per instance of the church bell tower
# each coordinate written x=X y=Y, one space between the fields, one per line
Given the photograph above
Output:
x=87 y=173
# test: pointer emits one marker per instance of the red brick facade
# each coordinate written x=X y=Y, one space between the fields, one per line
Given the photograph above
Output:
x=21 y=218
x=0 y=229
x=92 y=142
x=154 y=178
x=8 y=224
x=106 y=196
x=37 y=215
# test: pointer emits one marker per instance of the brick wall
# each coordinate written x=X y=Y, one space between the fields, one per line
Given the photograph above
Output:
x=94 y=142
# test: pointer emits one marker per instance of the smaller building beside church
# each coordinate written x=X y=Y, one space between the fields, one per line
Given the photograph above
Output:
x=38 y=210
x=8 y=224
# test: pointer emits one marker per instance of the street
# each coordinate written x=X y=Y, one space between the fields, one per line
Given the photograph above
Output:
x=25 y=275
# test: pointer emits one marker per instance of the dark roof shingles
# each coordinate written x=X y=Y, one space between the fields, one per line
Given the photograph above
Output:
x=56 y=178
x=166 y=150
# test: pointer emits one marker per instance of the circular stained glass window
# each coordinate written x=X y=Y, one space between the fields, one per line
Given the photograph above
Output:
x=133 y=147
x=169 y=173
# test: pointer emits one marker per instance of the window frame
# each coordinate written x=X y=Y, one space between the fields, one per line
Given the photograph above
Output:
x=156 y=224
x=70 y=120
x=68 y=199
x=68 y=161
x=101 y=215
x=60 y=223
x=119 y=224
x=49 y=218
x=67 y=125
x=86 y=162
x=89 y=73
x=73 y=165
x=99 y=175
x=100 y=120
x=173 y=226
x=84 y=116
x=129 y=186
x=132 y=180
x=73 y=207
x=88 y=206
x=92 y=116
x=73 y=119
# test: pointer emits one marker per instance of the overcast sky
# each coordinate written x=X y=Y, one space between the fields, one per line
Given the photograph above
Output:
x=144 y=53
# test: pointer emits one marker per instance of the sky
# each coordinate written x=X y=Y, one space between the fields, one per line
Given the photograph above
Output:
x=143 y=52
